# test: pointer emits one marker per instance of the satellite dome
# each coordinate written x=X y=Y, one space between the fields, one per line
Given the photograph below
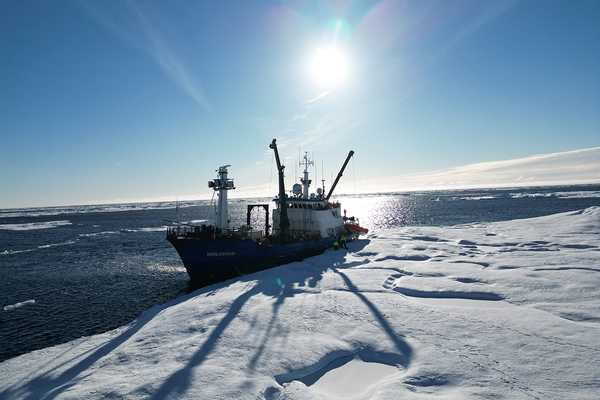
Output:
x=297 y=189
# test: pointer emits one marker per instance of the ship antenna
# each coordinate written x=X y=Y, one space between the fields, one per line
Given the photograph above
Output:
x=323 y=176
x=316 y=169
x=353 y=168
x=304 y=178
x=296 y=167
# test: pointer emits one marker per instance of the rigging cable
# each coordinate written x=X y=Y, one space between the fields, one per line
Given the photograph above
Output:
x=271 y=179
x=211 y=204
x=354 y=176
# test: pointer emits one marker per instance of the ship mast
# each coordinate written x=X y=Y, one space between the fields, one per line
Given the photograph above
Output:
x=284 y=222
x=305 y=181
x=221 y=185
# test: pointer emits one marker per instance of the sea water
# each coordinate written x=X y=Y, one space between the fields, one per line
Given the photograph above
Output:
x=68 y=272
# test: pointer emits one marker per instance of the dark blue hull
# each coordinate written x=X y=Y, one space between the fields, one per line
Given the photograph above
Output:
x=215 y=260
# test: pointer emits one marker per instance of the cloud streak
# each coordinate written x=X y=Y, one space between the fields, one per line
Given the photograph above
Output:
x=564 y=168
x=570 y=167
x=147 y=37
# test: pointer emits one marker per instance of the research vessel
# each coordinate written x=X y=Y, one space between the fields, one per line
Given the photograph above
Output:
x=303 y=224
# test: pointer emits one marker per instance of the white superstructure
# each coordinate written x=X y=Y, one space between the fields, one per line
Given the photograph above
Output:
x=311 y=218
x=309 y=214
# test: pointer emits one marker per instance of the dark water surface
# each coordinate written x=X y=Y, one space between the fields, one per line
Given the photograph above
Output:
x=93 y=268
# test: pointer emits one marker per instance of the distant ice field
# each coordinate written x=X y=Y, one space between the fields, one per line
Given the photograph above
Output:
x=81 y=270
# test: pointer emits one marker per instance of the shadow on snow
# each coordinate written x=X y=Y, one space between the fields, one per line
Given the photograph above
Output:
x=49 y=386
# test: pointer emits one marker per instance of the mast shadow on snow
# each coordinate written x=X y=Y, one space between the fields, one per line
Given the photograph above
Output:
x=280 y=288
x=48 y=386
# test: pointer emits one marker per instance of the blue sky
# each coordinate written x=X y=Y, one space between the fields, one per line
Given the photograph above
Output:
x=124 y=100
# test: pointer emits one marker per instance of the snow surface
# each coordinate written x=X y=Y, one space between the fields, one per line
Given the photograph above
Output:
x=507 y=310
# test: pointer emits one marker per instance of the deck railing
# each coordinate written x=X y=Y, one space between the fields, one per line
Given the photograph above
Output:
x=210 y=232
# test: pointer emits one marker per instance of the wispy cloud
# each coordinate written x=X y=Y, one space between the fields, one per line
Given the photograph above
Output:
x=133 y=25
x=489 y=12
x=569 y=167
x=318 y=97
x=318 y=131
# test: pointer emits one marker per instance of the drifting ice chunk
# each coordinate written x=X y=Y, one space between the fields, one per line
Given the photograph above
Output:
x=17 y=305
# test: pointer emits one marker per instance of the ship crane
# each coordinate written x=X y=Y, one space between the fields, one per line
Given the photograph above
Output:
x=284 y=222
x=339 y=175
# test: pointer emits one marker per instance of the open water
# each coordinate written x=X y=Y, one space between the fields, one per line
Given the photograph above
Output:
x=67 y=272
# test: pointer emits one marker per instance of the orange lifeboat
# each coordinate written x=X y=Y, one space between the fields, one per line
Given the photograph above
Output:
x=355 y=228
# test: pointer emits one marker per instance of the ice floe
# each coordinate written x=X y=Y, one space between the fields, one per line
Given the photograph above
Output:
x=34 y=225
x=100 y=208
x=146 y=229
x=12 y=307
x=66 y=243
x=583 y=194
x=9 y=252
x=94 y=234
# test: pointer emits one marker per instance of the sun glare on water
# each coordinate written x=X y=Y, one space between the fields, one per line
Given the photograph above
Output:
x=329 y=67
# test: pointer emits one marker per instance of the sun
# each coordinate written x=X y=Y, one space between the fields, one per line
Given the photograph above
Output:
x=329 y=67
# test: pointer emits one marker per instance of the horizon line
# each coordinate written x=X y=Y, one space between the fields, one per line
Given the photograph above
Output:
x=386 y=192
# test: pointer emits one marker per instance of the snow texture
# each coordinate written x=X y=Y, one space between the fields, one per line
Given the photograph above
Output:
x=507 y=310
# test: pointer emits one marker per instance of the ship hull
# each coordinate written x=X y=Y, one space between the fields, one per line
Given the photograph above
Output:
x=208 y=261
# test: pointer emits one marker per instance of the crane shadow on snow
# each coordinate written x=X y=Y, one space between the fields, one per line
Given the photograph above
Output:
x=270 y=283
x=281 y=287
x=50 y=384
x=400 y=358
